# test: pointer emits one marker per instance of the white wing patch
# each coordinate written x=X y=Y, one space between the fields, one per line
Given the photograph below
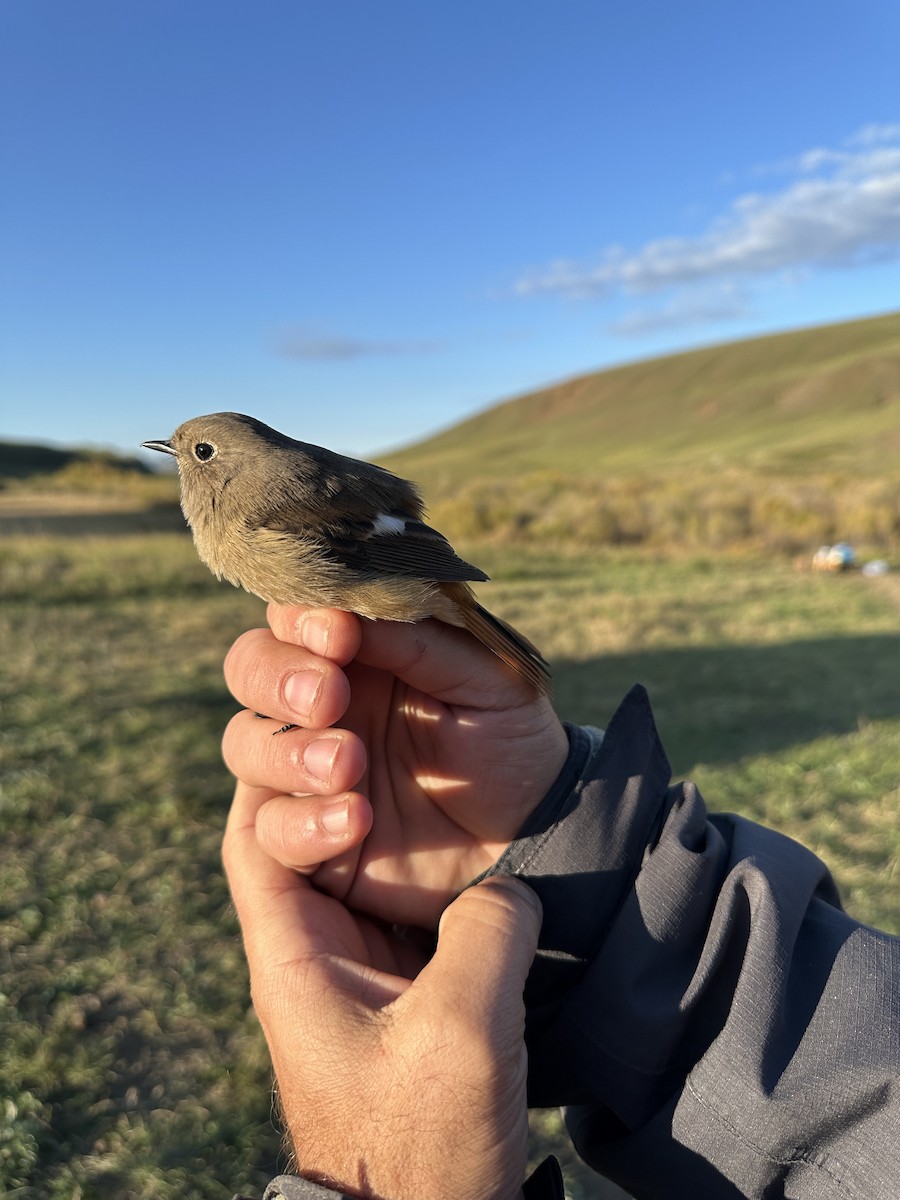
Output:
x=387 y=524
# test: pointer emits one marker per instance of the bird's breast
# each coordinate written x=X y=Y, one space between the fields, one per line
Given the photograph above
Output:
x=286 y=568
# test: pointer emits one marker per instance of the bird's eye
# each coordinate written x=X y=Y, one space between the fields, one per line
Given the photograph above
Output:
x=203 y=451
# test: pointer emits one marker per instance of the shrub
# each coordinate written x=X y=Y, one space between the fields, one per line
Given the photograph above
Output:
x=724 y=510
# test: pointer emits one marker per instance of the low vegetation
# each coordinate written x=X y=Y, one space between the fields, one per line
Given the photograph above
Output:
x=731 y=510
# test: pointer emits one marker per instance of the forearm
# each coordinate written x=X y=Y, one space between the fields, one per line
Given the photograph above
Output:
x=699 y=998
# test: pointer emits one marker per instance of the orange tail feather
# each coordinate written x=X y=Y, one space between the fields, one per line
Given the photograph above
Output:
x=500 y=637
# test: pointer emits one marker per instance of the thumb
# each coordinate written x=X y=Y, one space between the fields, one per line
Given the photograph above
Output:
x=442 y=660
x=487 y=939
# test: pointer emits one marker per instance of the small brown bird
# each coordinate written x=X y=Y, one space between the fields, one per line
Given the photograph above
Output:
x=298 y=524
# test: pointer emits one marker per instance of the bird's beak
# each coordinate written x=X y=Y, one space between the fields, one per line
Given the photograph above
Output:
x=163 y=447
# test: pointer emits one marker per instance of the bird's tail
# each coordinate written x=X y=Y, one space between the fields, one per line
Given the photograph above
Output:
x=505 y=641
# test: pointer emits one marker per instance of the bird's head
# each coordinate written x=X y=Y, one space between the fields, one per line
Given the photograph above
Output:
x=216 y=451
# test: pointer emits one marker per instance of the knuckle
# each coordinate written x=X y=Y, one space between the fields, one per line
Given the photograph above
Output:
x=286 y=828
x=285 y=620
x=240 y=659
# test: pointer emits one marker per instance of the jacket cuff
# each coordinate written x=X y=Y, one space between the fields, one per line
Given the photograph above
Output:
x=582 y=848
x=544 y=1183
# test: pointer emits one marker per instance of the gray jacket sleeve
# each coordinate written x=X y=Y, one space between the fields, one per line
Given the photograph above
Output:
x=714 y=1022
x=544 y=1183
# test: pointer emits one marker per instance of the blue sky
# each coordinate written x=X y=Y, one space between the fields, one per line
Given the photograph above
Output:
x=362 y=221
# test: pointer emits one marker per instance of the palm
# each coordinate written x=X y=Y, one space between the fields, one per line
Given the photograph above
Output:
x=341 y=937
x=450 y=785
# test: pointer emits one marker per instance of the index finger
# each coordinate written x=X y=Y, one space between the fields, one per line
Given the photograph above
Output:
x=329 y=633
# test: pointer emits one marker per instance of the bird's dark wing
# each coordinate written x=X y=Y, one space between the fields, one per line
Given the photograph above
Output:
x=402 y=546
x=366 y=519
x=389 y=544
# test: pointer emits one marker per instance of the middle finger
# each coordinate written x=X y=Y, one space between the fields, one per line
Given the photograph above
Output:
x=285 y=681
x=316 y=761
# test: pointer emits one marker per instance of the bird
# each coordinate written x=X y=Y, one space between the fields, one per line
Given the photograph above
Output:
x=295 y=523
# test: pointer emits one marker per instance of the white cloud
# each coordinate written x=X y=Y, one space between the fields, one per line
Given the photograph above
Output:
x=702 y=306
x=840 y=208
x=870 y=135
x=301 y=342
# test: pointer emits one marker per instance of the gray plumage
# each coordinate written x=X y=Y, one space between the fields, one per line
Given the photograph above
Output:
x=295 y=523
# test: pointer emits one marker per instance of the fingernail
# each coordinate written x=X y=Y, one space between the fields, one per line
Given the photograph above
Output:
x=315 y=630
x=300 y=691
x=319 y=756
x=334 y=817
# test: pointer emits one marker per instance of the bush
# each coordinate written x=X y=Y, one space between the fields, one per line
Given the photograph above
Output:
x=725 y=510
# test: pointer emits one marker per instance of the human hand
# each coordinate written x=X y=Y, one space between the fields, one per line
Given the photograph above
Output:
x=397 y=1076
x=440 y=756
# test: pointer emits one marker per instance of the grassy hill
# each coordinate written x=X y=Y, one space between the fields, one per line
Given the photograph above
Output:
x=775 y=444
x=25 y=460
x=779 y=403
x=45 y=489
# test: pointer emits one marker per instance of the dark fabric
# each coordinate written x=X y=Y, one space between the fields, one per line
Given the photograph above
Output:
x=715 y=1023
x=545 y=1183
x=292 y=1187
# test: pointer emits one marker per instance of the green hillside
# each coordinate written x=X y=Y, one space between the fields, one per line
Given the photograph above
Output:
x=782 y=403
x=776 y=444
x=25 y=460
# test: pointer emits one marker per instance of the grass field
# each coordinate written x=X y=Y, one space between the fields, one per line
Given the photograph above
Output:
x=132 y=1064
